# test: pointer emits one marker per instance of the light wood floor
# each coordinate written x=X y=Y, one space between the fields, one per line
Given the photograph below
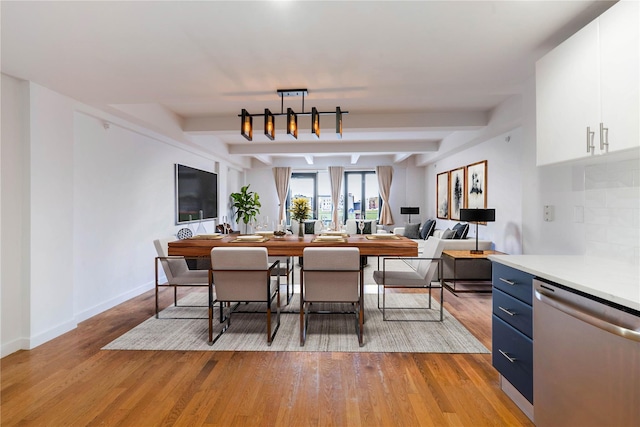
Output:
x=69 y=381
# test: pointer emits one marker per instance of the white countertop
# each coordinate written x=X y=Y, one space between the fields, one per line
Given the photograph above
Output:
x=608 y=279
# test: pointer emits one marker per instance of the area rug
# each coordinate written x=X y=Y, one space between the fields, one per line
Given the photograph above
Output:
x=326 y=332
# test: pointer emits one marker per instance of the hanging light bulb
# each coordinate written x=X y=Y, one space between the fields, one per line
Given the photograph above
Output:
x=292 y=123
x=269 y=124
x=315 y=122
x=246 y=128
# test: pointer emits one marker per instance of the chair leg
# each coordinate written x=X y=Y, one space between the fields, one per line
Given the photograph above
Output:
x=361 y=325
x=175 y=296
x=157 y=316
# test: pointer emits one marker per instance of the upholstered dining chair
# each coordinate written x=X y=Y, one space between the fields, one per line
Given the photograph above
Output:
x=331 y=275
x=413 y=273
x=176 y=271
x=285 y=269
x=312 y=226
x=243 y=274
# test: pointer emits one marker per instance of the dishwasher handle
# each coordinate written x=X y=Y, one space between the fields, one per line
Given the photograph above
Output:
x=576 y=312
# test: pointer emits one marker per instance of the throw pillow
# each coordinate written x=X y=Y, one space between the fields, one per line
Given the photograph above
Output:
x=461 y=230
x=366 y=229
x=427 y=228
x=411 y=231
x=448 y=234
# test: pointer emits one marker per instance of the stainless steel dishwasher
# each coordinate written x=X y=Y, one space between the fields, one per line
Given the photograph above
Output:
x=586 y=360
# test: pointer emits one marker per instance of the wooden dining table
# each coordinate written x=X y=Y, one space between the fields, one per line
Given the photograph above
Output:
x=292 y=245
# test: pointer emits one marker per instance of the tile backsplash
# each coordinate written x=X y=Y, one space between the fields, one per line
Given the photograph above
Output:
x=612 y=210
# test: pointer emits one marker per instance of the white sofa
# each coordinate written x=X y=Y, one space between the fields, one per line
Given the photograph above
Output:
x=450 y=244
x=467 y=270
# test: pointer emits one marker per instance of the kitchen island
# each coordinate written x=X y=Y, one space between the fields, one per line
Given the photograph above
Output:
x=570 y=325
x=607 y=279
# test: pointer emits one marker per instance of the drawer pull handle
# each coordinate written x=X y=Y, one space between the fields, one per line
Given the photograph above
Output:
x=508 y=282
x=509 y=312
x=509 y=358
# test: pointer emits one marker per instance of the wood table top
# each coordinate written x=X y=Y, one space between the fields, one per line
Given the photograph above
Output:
x=468 y=255
x=292 y=245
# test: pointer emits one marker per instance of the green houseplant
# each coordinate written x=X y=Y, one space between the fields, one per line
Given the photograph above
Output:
x=247 y=205
x=300 y=210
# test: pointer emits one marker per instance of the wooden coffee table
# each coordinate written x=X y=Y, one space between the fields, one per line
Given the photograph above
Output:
x=477 y=285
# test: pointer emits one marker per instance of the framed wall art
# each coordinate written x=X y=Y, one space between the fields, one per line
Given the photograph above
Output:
x=457 y=192
x=477 y=185
x=442 y=195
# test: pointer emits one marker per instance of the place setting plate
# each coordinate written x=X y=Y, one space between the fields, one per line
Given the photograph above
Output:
x=252 y=238
x=329 y=238
x=213 y=236
x=382 y=236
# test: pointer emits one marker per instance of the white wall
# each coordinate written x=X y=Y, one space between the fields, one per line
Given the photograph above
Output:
x=83 y=209
x=502 y=154
x=14 y=193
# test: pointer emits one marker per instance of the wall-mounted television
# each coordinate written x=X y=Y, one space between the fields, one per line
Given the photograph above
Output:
x=196 y=190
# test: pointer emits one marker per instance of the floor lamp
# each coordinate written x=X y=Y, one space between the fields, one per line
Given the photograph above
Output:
x=477 y=215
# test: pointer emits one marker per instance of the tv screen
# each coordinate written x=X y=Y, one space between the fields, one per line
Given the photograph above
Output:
x=196 y=190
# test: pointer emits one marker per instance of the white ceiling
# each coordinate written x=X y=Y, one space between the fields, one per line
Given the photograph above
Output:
x=409 y=73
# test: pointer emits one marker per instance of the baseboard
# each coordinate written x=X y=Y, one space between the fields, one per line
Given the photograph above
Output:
x=13 y=346
x=62 y=328
x=104 y=306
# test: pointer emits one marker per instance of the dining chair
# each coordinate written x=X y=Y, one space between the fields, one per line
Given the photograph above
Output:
x=243 y=274
x=331 y=275
x=412 y=273
x=285 y=269
x=176 y=271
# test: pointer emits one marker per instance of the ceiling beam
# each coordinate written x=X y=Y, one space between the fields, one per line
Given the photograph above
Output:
x=443 y=120
x=401 y=157
x=302 y=148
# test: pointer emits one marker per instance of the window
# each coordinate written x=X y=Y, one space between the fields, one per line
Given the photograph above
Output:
x=362 y=195
x=316 y=187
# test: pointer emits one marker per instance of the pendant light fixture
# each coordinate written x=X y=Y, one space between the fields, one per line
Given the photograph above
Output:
x=246 y=121
x=269 y=125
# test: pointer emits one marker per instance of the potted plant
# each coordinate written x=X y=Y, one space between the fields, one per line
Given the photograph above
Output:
x=246 y=204
x=300 y=210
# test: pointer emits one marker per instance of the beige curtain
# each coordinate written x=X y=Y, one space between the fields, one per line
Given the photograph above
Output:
x=282 y=177
x=335 y=177
x=385 y=176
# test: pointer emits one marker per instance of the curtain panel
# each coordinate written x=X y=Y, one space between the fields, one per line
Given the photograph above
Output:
x=335 y=177
x=385 y=176
x=282 y=177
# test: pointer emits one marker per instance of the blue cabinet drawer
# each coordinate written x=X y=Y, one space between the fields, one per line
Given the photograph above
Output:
x=508 y=344
x=514 y=312
x=514 y=282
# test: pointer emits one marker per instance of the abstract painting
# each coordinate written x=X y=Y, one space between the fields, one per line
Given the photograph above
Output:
x=457 y=193
x=442 y=195
x=477 y=185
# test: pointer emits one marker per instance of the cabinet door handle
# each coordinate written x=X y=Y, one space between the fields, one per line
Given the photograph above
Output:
x=604 y=137
x=509 y=312
x=508 y=282
x=590 y=136
x=509 y=358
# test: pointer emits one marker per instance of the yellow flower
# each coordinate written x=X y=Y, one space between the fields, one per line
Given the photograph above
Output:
x=300 y=209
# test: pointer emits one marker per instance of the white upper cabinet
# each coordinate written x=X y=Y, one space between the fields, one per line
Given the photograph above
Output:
x=587 y=89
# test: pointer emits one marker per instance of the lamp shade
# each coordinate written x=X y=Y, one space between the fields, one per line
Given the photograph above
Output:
x=478 y=215
x=269 y=125
x=409 y=210
x=292 y=123
x=246 y=127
